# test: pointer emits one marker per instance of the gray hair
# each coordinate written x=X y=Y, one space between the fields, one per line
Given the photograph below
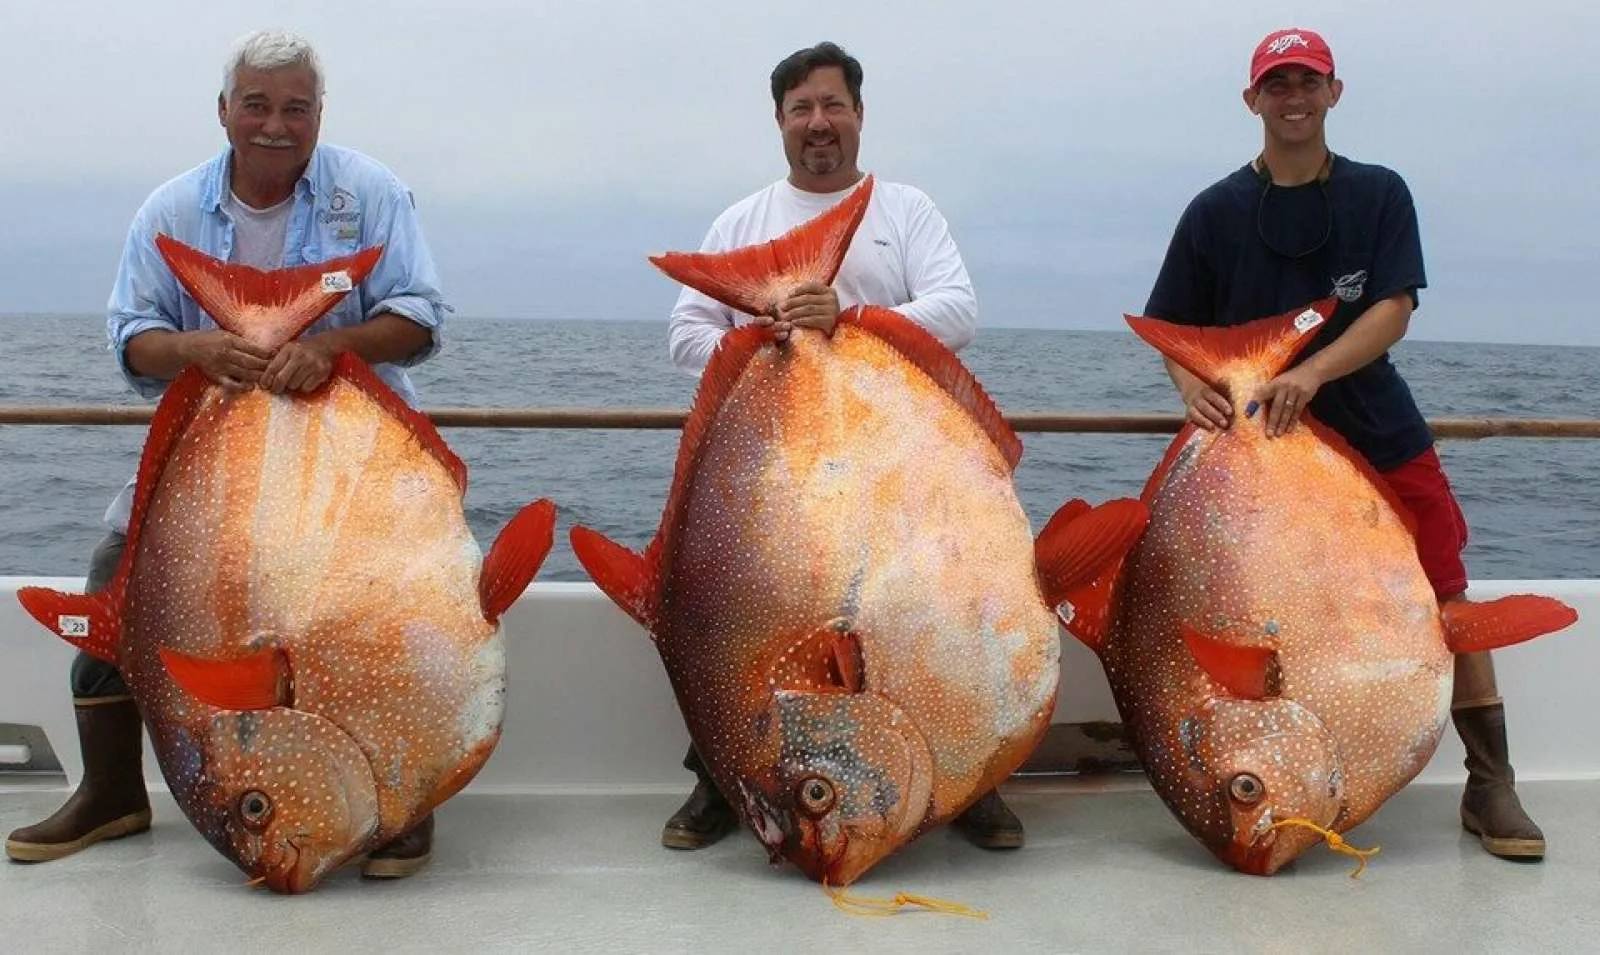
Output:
x=269 y=50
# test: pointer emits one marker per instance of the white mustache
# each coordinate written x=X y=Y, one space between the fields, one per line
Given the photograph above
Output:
x=271 y=143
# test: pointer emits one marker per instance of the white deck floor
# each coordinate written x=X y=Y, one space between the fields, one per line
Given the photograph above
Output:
x=1106 y=869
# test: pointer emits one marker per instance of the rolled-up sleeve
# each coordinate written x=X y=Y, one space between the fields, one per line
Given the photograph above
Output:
x=405 y=281
x=942 y=300
x=144 y=297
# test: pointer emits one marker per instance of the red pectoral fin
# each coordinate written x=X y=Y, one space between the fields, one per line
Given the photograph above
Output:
x=259 y=681
x=89 y=622
x=1248 y=672
x=1472 y=627
x=826 y=660
x=515 y=557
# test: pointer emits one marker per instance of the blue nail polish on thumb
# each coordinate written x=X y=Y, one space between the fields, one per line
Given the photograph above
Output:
x=1251 y=409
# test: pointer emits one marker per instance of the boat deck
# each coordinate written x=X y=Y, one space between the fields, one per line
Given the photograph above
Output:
x=1106 y=869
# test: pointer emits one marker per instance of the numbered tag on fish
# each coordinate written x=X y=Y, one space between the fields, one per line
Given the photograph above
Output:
x=336 y=282
x=1307 y=320
x=73 y=627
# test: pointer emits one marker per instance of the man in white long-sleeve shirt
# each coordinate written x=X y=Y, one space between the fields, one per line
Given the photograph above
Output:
x=902 y=257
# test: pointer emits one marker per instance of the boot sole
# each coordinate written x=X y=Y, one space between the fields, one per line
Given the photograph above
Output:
x=1530 y=849
x=393 y=868
x=673 y=838
x=999 y=840
x=128 y=825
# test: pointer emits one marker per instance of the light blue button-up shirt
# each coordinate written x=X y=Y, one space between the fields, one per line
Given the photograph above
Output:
x=344 y=202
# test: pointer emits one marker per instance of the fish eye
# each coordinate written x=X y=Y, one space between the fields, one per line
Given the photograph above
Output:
x=1247 y=788
x=816 y=795
x=255 y=808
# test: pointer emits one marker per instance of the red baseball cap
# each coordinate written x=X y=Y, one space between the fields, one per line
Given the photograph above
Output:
x=1292 y=46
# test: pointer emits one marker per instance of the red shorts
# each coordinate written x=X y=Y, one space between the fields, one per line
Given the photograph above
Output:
x=1441 y=527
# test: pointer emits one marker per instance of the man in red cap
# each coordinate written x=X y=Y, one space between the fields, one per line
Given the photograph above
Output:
x=1298 y=224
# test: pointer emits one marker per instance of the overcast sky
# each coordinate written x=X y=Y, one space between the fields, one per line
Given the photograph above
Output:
x=552 y=146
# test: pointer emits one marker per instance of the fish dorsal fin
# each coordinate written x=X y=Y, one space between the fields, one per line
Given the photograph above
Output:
x=515 y=557
x=1080 y=542
x=1250 y=672
x=1261 y=348
x=825 y=660
x=919 y=347
x=629 y=579
x=1473 y=627
x=753 y=279
x=258 y=681
x=358 y=373
x=93 y=622
x=265 y=308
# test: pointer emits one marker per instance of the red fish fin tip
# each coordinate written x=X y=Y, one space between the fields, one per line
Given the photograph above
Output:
x=1266 y=345
x=259 y=681
x=751 y=279
x=268 y=308
x=1472 y=627
x=625 y=577
x=918 y=346
x=89 y=622
x=1248 y=672
x=515 y=557
x=825 y=660
x=1079 y=543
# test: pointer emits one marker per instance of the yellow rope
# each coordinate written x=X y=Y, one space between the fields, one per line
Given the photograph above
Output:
x=1335 y=842
x=861 y=905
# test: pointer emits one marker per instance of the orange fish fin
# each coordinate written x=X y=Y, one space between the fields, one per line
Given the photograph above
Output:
x=627 y=578
x=1248 y=672
x=348 y=366
x=1085 y=611
x=1337 y=442
x=755 y=278
x=90 y=622
x=267 y=308
x=259 y=681
x=1472 y=627
x=1266 y=345
x=825 y=660
x=918 y=346
x=1072 y=551
x=515 y=557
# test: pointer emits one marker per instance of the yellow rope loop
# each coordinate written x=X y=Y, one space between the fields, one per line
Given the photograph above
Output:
x=866 y=906
x=1336 y=843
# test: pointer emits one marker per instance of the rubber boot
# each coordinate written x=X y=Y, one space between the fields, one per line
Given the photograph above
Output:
x=704 y=818
x=990 y=824
x=1490 y=808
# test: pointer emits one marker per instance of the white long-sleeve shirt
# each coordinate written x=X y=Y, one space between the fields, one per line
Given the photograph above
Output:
x=902 y=257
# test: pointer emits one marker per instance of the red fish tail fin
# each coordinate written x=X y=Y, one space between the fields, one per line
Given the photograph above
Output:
x=259 y=681
x=90 y=622
x=1248 y=671
x=1078 y=564
x=624 y=576
x=1472 y=627
x=515 y=557
x=753 y=279
x=919 y=347
x=266 y=308
x=1261 y=348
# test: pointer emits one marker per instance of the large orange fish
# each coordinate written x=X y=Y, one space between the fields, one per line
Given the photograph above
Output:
x=843 y=587
x=1275 y=649
x=300 y=611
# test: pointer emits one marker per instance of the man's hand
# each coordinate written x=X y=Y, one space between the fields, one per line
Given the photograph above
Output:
x=812 y=305
x=300 y=366
x=225 y=358
x=1285 y=396
x=1208 y=409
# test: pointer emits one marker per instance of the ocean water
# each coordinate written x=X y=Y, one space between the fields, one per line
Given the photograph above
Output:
x=1533 y=505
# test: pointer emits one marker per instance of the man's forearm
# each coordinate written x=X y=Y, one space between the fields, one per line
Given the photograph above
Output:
x=1369 y=336
x=382 y=338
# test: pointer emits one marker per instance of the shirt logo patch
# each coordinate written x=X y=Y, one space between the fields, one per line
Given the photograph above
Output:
x=1348 y=288
x=343 y=213
x=1287 y=42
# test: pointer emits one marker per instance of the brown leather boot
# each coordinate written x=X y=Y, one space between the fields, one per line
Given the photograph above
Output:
x=403 y=856
x=990 y=824
x=703 y=819
x=110 y=801
x=1490 y=808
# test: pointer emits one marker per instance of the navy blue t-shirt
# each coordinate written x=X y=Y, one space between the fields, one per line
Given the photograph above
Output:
x=1220 y=271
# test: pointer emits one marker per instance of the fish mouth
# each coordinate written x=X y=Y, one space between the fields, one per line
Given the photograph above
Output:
x=764 y=822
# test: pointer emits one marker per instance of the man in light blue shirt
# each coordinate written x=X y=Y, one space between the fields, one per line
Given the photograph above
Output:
x=273 y=198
